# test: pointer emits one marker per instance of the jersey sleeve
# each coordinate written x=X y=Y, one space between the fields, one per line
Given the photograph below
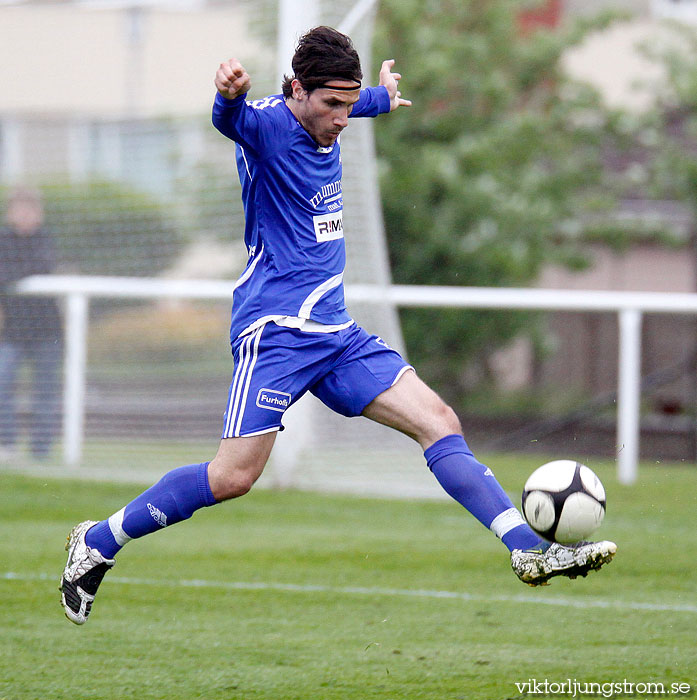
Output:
x=372 y=101
x=253 y=127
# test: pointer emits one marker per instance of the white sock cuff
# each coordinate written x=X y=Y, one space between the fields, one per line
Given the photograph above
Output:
x=116 y=527
x=506 y=521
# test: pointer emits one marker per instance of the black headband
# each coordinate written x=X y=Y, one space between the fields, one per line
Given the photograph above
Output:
x=336 y=87
x=311 y=84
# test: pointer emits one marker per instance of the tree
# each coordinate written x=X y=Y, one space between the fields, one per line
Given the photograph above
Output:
x=666 y=133
x=490 y=174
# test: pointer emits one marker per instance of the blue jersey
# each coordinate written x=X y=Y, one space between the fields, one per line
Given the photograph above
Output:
x=291 y=191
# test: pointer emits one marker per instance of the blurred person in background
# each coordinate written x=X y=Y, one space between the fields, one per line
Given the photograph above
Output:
x=31 y=330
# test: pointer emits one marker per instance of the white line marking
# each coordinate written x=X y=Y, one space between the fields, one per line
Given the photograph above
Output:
x=367 y=591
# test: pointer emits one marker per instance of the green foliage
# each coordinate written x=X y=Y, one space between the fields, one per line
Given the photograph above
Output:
x=105 y=228
x=488 y=176
x=667 y=133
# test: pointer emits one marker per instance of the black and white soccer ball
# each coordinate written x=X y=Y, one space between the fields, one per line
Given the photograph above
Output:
x=564 y=501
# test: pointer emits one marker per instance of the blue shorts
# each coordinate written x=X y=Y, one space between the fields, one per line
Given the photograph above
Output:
x=275 y=366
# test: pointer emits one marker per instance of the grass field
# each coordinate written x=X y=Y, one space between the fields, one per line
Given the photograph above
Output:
x=290 y=595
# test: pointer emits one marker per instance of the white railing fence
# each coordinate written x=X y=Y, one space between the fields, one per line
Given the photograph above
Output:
x=629 y=306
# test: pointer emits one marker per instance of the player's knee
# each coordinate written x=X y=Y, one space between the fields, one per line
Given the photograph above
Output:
x=232 y=486
x=440 y=420
x=445 y=421
x=240 y=484
x=228 y=481
x=449 y=419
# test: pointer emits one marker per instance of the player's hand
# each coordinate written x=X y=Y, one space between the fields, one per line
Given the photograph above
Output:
x=391 y=81
x=232 y=80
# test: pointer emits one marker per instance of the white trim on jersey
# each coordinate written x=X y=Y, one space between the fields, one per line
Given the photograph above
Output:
x=302 y=324
x=317 y=293
x=250 y=269
x=307 y=325
x=246 y=164
x=257 y=324
x=240 y=386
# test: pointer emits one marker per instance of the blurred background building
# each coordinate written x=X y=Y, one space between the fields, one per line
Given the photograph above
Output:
x=615 y=63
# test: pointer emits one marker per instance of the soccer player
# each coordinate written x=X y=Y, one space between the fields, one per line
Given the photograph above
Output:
x=291 y=332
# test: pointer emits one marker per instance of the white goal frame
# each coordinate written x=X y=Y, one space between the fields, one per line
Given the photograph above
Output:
x=77 y=291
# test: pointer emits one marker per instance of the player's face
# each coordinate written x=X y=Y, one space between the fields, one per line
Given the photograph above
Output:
x=324 y=112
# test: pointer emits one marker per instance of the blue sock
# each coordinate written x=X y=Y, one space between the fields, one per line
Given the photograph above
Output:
x=474 y=486
x=172 y=499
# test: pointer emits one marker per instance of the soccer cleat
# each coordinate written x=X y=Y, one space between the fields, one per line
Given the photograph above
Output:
x=82 y=574
x=536 y=567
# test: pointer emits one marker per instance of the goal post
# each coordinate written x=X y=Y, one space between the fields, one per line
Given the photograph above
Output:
x=367 y=259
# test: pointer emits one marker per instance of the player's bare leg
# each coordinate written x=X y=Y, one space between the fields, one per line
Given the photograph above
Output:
x=414 y=409
x=238 y=464
x=411 y=407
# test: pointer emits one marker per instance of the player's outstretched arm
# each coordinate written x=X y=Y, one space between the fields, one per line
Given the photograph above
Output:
x=232 y=80
x=391 y=81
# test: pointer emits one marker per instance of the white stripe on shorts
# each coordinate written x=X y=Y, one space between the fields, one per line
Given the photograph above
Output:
x=238 y=380
x=240 y=385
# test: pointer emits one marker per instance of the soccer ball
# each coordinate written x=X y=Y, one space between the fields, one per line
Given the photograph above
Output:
x=564 y=501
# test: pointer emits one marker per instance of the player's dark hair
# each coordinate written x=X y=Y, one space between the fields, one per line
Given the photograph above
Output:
x=323 y=54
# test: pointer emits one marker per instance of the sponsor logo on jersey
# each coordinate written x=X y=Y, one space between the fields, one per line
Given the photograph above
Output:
x=328 y=193
x=264 y=103
x=157 y=515
x=329 y=227
x=273 y=400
